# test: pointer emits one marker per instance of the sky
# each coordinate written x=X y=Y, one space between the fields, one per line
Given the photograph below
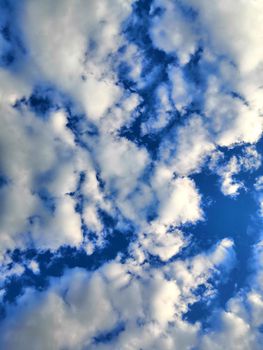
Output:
x=131 y=175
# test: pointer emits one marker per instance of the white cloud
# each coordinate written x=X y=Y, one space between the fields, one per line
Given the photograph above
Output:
x=163 y=107
x=234 y=334
x=259 y=183
x=134 y=58
x=231 y=33
x=82 y=305
x=161 y=243
x=60 y=53
x=248 y=161
x=239 y=324
x=33 y=148
x=229 y=118
x=179 y=202
x=187 y=147
x=237 y=327
x=171 y=33
x=15 y=270
x=34 y=266
x=196 y=271
x=180 y=92
x=61 y=314
x=122 y=164
x=228 y=39
x=60 y=40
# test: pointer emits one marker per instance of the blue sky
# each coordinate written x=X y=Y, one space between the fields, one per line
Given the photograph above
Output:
x=131 y=183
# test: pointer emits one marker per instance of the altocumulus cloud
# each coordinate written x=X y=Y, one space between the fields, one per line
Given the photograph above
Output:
x=131 y=174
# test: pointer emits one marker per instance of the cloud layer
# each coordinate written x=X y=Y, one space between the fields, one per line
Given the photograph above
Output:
x=122 y=123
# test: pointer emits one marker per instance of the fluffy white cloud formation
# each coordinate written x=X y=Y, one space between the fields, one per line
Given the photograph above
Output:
x=183 y=41
x=89 y=151
x=188 y=146
x=231 y=61
x=179 y=200
x=69 y=45
x=66 y=49
x=239 y=326
x=42 y=161
x=81 y=306
x=248 y=161
x=33 y=148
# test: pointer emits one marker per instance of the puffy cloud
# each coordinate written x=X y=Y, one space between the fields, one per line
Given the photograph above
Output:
x=227 y=36
x=179 y=201
x=249 y=160
x=50 y=161
x=230 y=119
x=259 y=183
x=122 y=164
x=191 y=139
x=196 y=271
x=181 y=29
x=183 y=41
x=180 y=90
x=43 y=161
x=163 y=107
x=81 y=306
x=14 y=270
x=239 y=326
x=65 y=311
x=161 y=243
x=40 y=168
x=70 y=44
x=234 y=333
x=34 y=266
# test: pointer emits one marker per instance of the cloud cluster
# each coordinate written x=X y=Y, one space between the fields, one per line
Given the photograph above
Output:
x=42 y=160
x=103 y=131
x=248 y=161
x=227 y=58
x=90 y=310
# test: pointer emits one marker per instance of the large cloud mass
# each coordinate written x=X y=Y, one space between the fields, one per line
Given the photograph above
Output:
x=124 y=124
